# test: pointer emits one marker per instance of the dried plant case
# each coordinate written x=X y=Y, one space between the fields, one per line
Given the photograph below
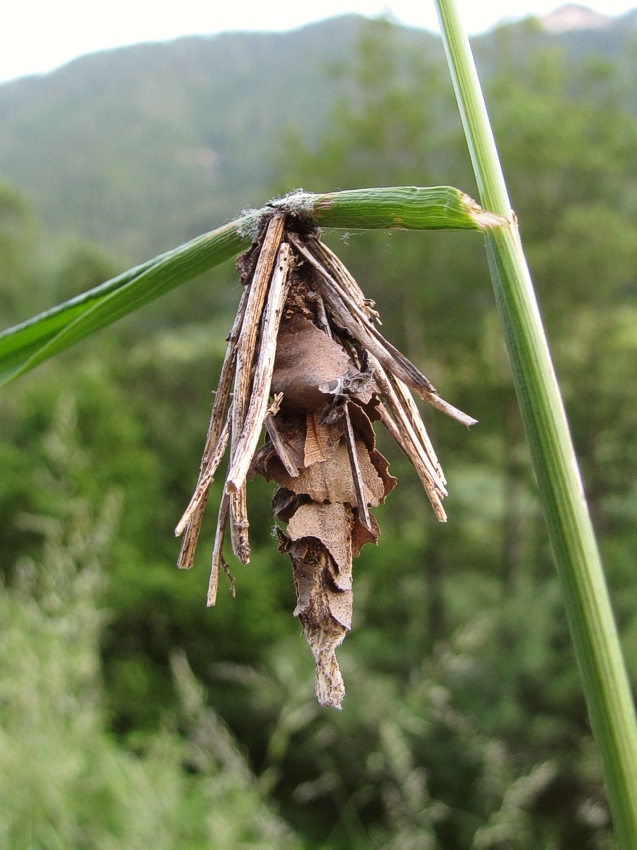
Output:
x=305 y=362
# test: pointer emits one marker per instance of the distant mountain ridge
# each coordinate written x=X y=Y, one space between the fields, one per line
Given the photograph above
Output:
x=142 y=147
x=572 y=16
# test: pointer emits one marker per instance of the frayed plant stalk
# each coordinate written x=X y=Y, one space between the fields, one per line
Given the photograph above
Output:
x=306 y=362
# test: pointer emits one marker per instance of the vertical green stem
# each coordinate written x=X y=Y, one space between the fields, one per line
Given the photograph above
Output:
x=590 y=618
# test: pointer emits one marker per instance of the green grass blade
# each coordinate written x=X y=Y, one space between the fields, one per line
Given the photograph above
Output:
x=34 y=341
x=594 y=634
x=20 y=342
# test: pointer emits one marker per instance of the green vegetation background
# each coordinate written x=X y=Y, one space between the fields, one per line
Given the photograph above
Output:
x=132 y=716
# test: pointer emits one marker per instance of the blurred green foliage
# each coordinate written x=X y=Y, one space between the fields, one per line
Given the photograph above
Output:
x=65 y=781
x=464 y=724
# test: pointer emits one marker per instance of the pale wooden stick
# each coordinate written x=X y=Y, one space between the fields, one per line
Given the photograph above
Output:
x=359 y=485
x=432 y=494
x=245 y=357
x=280 y=448
x=334 y=264
x=406 y=424
x=262 y=378
x=403 y=393
x=206 y=479
x=401 y=421
x=217 y=552
x=348 y=314
x=321 y=315
x=224 y=384
x=189 y=542
x=338 y=269
x=276 y=439
x=393 y=430
x=239 y=525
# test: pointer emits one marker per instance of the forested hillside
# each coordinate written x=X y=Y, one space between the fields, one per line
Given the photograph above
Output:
x=464 y=723
x=181 y=135
x=146 y=146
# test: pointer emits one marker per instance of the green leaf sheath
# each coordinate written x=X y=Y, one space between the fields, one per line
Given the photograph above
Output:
x=406 y=207
x=34 y=341
x=586 y=600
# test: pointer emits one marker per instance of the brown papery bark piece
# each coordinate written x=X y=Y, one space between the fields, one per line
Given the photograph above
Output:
x=318 y=603
x=332 y=480
x=332 y=526
x=306 y=358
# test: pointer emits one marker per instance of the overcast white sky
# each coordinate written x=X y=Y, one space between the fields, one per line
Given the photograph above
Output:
x=39 y=35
